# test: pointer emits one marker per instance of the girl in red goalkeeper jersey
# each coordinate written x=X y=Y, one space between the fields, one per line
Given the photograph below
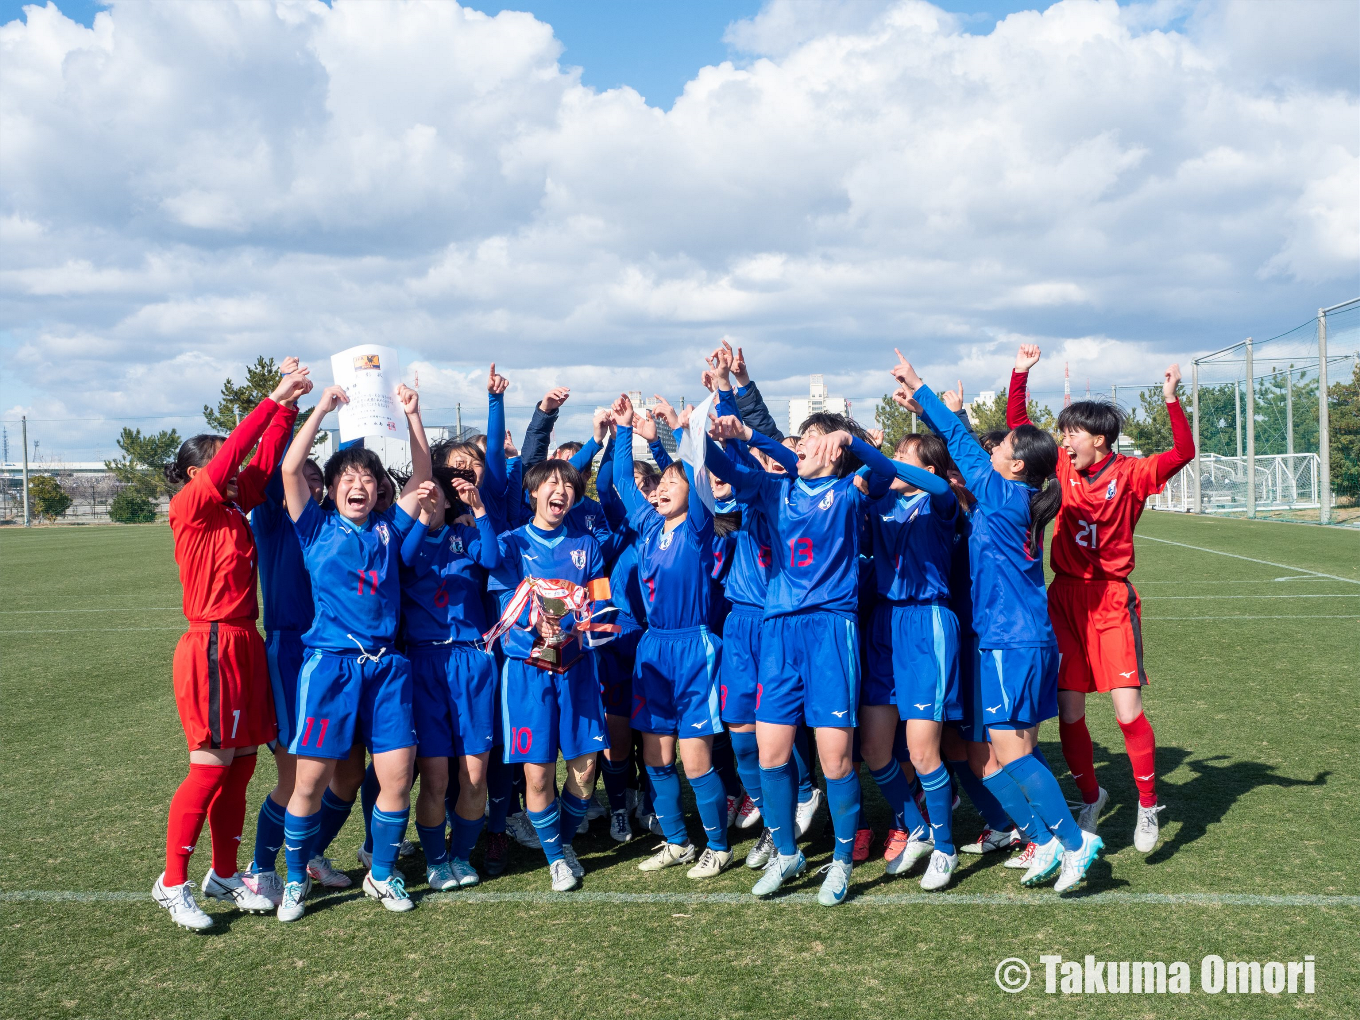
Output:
x=1096 y=612
x=220 y=670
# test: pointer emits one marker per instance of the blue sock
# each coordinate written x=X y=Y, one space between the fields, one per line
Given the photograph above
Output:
x=940 y=803
x=993 y=814
x=1039 y=757
x=389 y=829
x=711 y=797
x=892 y=783
x=268 y=836
x=779 y=790
x=499 y=788
x=573 y=809
x=548 y=824
x=748 y=762
x=368 y=796
x=299 y=835
x=843 y=796
x=800 y=762
x=1046 y=798
x=1012 y=799
x=432 y=842
x=465 y=833
x=334 y=812
x=724 y=764
x=616 y=783
x=666 y=802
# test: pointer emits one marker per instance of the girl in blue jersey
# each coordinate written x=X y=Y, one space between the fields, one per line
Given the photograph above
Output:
x=443 y=577
x=544 y=713
x=675 y=691
x=809 y=643
x=912 y=652
x=1017 y=495
x=353 y=684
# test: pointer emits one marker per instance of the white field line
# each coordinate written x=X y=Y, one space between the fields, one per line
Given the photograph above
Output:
x=1250 y=559
x=1219 y=598
x=1156 y=619
x=788 y=899
x=120 y=609
x=83 y=630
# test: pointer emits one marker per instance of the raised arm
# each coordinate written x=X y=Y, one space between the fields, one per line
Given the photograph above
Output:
x=297 y=494
x=226 y=464
x=614 y=510
x=420 y=451
x=487 y=553
x=1182 y=450
x=1017 y=397
x=919 y=478
x=495 y=431
x=539 y=433
x=624 y=482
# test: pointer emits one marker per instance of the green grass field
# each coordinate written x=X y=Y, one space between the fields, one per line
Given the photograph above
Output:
x=1254 y=692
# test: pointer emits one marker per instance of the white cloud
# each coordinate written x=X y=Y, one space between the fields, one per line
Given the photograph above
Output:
x=189 y=185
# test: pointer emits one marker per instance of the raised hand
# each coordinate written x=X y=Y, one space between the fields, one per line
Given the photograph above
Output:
x=667 y=413
x=682 y=419
x=604 y=417
x=875 y=436
x=496 y=383
x=290 y=365
x=409 y=399
x=294 y=383
x=429 y=496
x=721 y=364
x=623 y=411
x=644 y=424
x=708 y=379
x=738 y=366
x=729 y=426
x=905 y=374
x=511 y=450
x=904 y=399
x=468 y=493
x=331 y=398
x=953 y=399
x=1171 y=379
x=1026 y=357
x=554 y=398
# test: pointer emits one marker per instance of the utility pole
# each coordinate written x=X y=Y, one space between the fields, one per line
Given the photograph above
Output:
x=1324 y=427
x=1194 y=411
x=27 y=523
x=1251 y=435
x=1114 y=399
x=459 y=434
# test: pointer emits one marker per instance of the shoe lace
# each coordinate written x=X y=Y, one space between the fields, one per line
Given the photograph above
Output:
x=1147 y=816
x=396 y=885
x=186 y=895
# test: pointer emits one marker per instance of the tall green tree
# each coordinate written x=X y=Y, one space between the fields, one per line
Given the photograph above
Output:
x=235 y=402
x=142 y=466
x=1149 y=425
x=895 y=421
x=989 y=416
x=49 y=499
x=1343 y=417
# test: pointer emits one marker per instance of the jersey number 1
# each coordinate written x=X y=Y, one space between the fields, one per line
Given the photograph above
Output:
x=1086 y=536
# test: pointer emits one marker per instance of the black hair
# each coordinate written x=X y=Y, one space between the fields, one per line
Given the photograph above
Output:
x=196 y=451
x=826 y=423
x=1038 y=450
x=725 y=524
x=354 y=457
x=445 y=476
x=993 y=438
x=441 y=451
x=571 y=449
x=1097 y=417
x=647 y=471
x=545 y=469
x=934 y=453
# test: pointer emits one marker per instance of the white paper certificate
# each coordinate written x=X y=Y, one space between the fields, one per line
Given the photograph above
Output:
x=369 y=375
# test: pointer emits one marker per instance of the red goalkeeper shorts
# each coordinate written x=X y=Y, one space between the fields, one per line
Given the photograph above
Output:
x=222 y=686
x=1099 y=629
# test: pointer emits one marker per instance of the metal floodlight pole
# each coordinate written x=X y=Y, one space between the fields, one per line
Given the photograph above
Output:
x=1237 y=414
x=1324 y=427
x=458 y=436
x=1289 y=411
x=1114 y=399
x=24 y=419
x=1194 y=412
x=1251 y=435
x=913 y=423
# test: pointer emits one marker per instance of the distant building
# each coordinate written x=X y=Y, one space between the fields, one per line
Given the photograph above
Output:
x=816 y=402
x=394 y=453
x=641 y=451
x=984 y=399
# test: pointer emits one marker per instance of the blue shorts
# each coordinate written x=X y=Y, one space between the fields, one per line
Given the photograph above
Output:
x=971 y=725
x=914 y=652
x=337 y=693
x=614 y=664
x=454 y=699
x=740 y=669
x=284 y=651
x=543 y=713
x=675 y=683
x=809 y=670
x=1019 y=686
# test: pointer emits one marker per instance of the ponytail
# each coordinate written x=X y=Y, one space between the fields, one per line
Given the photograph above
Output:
x=1039 y=452
x=195 y=451
x=1043 y=507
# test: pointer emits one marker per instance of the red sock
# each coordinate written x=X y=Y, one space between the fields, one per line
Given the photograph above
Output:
x=227 y=815
x=1080 y=755
x=1142 y=747
x=188 y=809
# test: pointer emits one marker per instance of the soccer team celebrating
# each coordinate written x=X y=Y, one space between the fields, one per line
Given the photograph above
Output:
x=764 y=596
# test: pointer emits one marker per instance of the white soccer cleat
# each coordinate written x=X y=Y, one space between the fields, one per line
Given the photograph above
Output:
x=294 y=902
x=323 y=872
x=836 y=885
x=778 y=871
x=748 y=815
x=620 y=829
x=264 y=883
x=990 y=840
x=711 y=863
x=1149 y=826
x=1047 y=860
x=365 y=857
x=1023 y=859
x=912 y=854
x=733 y=808
x=562 y=878
x=940 y=870
x=759 y=855
x=179 y=900
x=390 y=893
x=522 y=831
x=235 y=892
x=406 y=849
x=1088 y=818
x=652 y=824
x=808 y=814
x=465 y=873
x=440 y=877
x=1075 y=863
x=668 y=855
x=597 y=809
x=573 y=862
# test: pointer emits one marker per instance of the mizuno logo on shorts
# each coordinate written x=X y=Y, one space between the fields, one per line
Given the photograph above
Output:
x=1128 y=674
x=838 y=714
x=993 y=708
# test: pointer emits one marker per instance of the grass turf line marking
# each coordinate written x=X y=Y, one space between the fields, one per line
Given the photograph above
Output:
x=123 y=609
x=1219 y=598
x=799 y=899
x=1250 y=559
x=1351 y=616
x=84 y=630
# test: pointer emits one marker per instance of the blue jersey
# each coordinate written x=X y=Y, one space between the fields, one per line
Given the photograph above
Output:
x=355 y=573
x=1010 y=606
x=284 y=582
x=443 y=580
x=555 y=555
x=913 y=540
x=626 y=591
x=586 y=517
x=961 y=572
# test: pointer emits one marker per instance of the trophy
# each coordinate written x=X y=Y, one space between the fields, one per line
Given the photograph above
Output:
x=562 y=650
x=570 y=607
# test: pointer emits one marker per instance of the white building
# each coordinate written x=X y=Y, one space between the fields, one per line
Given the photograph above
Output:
x=983 y=399
x=817 y=401
x=641 y=451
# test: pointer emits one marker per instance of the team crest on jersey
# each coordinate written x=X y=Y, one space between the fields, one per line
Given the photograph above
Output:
x=381 y=529
x=1109 y=489
x=665 y=542
x=590 y=522
x=578 y=558
x=456 y=544
x=825 y=504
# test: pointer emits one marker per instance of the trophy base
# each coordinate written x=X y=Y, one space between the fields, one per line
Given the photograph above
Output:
x=556 y=658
